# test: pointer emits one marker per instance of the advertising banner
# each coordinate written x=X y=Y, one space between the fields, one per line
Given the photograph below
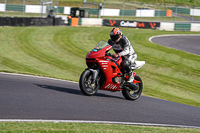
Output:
x=119 y=23
x=148 y=25
x=132 y=24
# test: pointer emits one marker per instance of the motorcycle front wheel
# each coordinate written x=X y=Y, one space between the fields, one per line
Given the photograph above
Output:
x=133 y=95
x=85 y=83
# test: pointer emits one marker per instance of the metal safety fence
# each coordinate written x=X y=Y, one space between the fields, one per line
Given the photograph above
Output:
x=28 y=8
x=154 y=12
x=110 y=10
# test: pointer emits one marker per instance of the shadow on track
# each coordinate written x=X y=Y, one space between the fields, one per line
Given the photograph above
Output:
x=74 y=91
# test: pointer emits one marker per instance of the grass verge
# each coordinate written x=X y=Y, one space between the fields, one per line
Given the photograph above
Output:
x=35 y=127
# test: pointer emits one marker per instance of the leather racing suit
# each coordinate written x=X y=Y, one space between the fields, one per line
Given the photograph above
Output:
x=124 y=47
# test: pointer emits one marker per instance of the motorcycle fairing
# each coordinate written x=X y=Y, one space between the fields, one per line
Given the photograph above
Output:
x=110 y=70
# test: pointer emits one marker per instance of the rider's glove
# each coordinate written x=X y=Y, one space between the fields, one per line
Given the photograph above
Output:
x=116 y=55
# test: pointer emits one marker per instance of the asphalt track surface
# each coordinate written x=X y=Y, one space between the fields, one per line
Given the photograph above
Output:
x=188 y=18
x=36 y=98
x=27 y=97
x=187 y=43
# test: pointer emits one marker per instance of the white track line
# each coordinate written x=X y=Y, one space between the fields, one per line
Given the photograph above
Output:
x=150 y=39
x=23 y=75
x=98 y=122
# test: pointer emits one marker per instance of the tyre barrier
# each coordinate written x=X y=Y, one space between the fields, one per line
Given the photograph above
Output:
x=19 y=21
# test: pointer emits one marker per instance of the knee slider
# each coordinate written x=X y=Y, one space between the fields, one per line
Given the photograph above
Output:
x=126 y=65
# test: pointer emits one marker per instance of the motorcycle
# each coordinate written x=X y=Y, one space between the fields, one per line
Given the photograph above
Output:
x=105 y=73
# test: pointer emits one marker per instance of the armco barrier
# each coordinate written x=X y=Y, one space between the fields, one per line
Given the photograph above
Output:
x=167 y=26
x=94 y=11
x=10 y=7
x=110 y=12
x=195 y=12
x=91 y=22
x=160 y=13
x=127 y=12
x=145 y=13
x=35 y=9
x=182 y=27
x=104 y=11
x=181 y=10
x=2 y=7
x=195 y=27
x=140 y=13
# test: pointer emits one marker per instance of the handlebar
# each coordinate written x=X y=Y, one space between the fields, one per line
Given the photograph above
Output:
x=112 y=58
x=108 y=54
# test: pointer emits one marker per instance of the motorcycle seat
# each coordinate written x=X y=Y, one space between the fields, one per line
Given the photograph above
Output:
x=137 y=65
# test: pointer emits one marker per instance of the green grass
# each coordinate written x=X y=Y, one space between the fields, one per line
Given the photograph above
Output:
x=60 y=52
x=79 y=2
x=20 y=14
x=35 y=127
x=175 y=2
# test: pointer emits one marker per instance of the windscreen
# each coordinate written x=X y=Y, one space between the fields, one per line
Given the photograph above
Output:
x=100 y=45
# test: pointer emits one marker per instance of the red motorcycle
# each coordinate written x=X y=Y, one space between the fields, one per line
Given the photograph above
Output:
x=106 y=73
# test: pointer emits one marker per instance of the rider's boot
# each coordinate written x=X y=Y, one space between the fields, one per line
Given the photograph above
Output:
x=130 y=81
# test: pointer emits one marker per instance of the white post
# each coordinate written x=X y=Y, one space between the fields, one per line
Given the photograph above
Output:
x=5 y=9
x=23 y=7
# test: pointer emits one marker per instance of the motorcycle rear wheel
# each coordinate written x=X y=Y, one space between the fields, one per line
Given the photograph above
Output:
x=133 y=95
x=85 y=83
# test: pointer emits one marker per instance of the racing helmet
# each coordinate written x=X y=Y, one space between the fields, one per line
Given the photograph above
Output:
x=115 y=34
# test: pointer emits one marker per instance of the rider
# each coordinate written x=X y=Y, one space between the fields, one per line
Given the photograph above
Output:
x=122 y=47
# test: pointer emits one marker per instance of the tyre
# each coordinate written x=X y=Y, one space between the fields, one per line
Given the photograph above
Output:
x=85 y=83
x=133 y=95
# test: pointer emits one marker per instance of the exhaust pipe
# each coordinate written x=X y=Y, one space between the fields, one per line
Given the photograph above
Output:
x=132 y=86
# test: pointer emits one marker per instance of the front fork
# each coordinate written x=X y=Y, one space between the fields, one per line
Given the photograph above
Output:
x=95 y=72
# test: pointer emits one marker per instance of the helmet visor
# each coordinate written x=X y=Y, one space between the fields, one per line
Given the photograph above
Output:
x=114 y=37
